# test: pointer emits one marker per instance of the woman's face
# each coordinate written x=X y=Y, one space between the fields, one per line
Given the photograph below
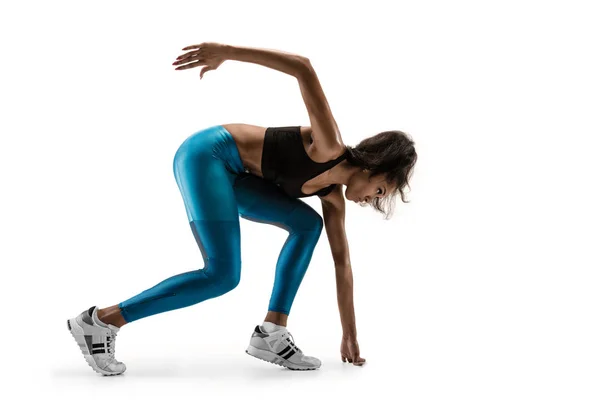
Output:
x=361 y=189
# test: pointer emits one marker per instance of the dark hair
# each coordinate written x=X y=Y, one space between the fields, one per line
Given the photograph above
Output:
x=391 y=153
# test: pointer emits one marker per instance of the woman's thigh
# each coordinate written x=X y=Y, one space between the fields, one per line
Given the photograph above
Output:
x=262 y=201
x=205 y=180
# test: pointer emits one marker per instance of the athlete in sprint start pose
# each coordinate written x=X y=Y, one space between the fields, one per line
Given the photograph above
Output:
x=232 y=170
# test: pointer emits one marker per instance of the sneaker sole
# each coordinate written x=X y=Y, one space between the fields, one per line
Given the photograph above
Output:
x=275 y=359
x=78 y=335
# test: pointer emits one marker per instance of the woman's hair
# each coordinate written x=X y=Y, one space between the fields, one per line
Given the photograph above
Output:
x=391 y=153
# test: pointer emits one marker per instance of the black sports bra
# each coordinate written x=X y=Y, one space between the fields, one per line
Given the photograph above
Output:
x=285 y=162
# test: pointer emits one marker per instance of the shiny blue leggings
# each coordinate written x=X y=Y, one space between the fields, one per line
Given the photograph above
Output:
x=216 y=190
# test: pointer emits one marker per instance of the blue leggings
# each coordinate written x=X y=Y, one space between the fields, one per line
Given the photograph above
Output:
x=216 y=190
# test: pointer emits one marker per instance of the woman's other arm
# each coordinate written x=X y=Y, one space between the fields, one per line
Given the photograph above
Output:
x=289 y=63
x=212 y=55
x=334 y=218
x=325 y=131
x=334 y=215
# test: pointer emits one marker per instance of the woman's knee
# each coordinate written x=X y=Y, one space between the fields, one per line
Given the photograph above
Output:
x=305 y=219
x=224 y=275
x=229 y=282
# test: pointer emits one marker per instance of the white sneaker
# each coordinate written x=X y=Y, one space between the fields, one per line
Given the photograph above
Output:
x=96 y=341
x=279 y=348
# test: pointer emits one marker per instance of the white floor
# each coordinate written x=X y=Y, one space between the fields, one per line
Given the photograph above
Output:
x=171 y=356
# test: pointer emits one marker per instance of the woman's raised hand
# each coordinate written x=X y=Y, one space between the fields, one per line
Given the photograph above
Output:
x=210 y=54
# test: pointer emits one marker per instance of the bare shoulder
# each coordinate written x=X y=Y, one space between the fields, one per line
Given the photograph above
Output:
x=320 y=154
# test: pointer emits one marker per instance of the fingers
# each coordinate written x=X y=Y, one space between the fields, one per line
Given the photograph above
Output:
x=359 y=361
x=194 y=46
x=190 y=65
x=356 y=359
x=196 y=57
x=189 y=54
x=189 y=57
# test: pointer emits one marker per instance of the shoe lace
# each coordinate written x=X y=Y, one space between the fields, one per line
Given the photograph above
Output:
x=293 y=342
x=110 y=341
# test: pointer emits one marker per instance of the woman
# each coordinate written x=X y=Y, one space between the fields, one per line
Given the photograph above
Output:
x=260 y=173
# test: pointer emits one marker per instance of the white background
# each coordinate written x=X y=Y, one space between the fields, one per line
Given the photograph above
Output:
x=484 y=286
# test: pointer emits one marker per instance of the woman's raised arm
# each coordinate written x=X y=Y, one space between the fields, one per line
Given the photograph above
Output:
x=288 y=63
x=213 y=54
x=326 y=133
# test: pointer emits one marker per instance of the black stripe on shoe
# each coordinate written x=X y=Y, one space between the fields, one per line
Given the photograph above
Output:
x=291 y=353
x=69 y=324
x=98 y=351
x=282 y=352
x=97 y=345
